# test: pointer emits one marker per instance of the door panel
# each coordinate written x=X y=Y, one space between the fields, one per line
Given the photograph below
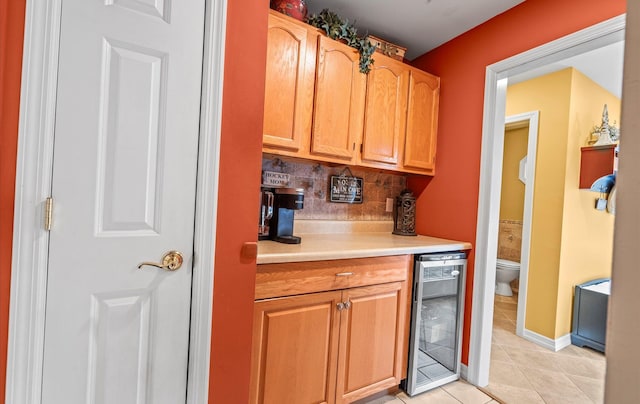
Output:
x=119 y=328
x=288 y=86
x=370 y=341
x=385 y=113
x=339 y=101
x=124 y=170
x=422 y=122
x=295 y=349
x=128 y=149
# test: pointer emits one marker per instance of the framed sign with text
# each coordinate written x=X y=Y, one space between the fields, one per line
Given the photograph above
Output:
x=345 y=189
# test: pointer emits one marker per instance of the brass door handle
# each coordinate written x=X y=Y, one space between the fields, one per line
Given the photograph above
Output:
x=171 y=261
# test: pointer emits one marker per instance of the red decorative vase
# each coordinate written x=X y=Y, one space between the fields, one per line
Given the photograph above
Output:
x=293 y=8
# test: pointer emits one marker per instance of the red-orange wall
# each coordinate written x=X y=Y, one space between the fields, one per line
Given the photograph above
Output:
x=448 y=206
x=240 y=165
x=11 y=38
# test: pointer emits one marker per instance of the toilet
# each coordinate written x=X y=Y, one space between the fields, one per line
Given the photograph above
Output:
x=506 y=271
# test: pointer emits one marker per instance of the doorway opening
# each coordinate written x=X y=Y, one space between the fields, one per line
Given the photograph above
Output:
x=514 y=229
x=605 y=33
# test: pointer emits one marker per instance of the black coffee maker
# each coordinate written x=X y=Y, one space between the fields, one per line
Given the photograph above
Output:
x=286 y=201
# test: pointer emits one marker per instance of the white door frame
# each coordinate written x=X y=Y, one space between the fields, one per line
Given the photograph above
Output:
x=598 y=35
x=529 y=119
x=33 y=186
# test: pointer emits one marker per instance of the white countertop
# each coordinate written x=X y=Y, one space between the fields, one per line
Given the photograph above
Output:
x=318 y=247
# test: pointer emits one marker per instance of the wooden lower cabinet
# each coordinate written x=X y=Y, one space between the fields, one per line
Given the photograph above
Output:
x=295 y=349
x=333 y=346
x=371 y=335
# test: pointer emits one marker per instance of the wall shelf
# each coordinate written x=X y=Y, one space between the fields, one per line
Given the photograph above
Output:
x=596 y=162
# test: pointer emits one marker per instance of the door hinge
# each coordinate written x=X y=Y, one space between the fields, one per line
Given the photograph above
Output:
x=48 y=213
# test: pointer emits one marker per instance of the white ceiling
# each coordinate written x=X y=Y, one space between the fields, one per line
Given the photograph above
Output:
x=422 y=25
x=418 y=25
x=602 y=65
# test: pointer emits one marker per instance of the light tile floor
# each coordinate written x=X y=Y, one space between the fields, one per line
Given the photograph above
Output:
x=452 y=393
x=522 y=372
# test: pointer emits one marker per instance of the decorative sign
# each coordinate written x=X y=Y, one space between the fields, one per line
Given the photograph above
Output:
x=274 y=179
x=346 y=189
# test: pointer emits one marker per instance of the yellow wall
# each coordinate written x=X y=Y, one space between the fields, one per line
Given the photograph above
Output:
x=587 y=233
x=512 y=191
x=565 y=228
x=550 y=95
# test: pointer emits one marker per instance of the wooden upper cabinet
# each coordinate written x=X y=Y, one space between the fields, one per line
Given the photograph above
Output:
x=339 y=102
x=318 y=106
x=289 y=85
x=385 y=113
x=422 y=123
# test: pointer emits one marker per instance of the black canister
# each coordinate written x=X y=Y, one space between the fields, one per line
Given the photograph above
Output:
x=404 y=214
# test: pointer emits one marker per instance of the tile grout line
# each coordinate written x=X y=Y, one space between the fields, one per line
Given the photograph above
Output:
x=491 y=395
x=452 y=396
x=593 y=362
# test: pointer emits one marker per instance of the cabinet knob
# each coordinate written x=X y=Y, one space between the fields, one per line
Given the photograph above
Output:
x=347 y=305
x=340 y=306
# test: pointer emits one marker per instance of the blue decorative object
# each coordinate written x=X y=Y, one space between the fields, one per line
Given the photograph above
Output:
x=604 y=184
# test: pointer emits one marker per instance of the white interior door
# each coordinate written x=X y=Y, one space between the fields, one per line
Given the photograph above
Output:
x=124 y=175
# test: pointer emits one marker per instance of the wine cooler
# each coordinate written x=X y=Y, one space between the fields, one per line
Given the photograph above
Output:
x=436 y=321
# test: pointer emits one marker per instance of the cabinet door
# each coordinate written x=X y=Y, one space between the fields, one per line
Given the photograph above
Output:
x=288 y=97
x=371 y=347
x=295 y=349
x=422 y=123
x=339 y=102
x=385 y=113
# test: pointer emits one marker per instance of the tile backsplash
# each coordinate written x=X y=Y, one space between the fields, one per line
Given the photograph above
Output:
x=315 y=178
x=510 y=240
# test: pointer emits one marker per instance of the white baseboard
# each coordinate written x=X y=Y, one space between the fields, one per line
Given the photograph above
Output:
x=552 y=344
x=463 y=371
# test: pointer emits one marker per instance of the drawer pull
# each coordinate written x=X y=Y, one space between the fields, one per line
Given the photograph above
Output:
x=344 y=274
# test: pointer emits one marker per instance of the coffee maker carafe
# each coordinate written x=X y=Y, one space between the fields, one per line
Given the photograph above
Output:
x=287 y=200
x=266 y=213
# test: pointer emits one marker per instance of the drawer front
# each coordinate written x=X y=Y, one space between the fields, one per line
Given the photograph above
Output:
x=294 y=278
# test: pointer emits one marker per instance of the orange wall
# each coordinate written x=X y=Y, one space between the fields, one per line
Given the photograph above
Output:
x=240 y=165
x=240 y=160
x=448 y=206
x=11 y=31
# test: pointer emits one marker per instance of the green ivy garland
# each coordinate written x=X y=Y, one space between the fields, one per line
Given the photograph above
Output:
x=337 y=28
